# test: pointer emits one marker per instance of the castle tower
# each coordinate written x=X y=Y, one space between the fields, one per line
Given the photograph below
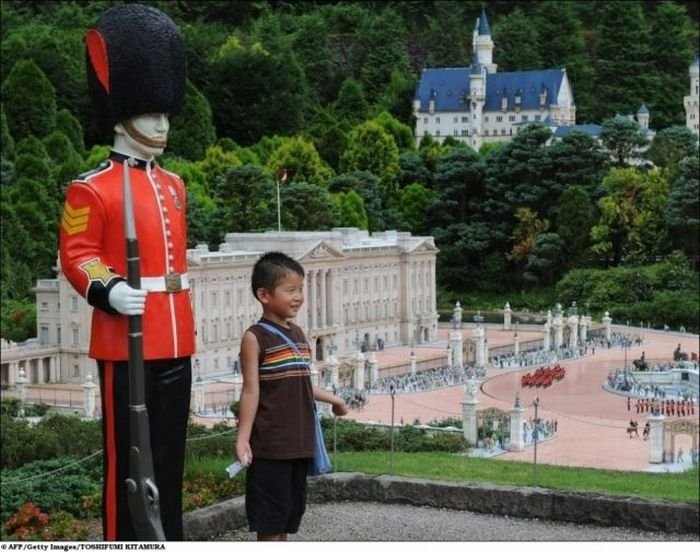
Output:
x=692 y=101
x=477 y=99
x=643 y=117
x=482 y=45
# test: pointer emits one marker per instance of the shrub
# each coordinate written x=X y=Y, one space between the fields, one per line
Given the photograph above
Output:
x=10 y=407
x=29 y=523
x=53 y=485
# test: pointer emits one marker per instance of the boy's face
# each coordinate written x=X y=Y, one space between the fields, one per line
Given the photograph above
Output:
x=286 y=299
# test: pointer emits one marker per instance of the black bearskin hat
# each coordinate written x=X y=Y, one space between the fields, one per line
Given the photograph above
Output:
x=135 y=64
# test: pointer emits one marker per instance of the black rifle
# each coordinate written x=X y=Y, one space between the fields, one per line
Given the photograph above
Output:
x=142 y=497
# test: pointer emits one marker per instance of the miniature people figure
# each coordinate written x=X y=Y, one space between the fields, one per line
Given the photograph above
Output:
x=276 y=427
x=136 y=73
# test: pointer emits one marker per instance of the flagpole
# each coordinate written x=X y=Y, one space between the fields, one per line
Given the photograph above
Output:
x=281 y=176
x=279 y=212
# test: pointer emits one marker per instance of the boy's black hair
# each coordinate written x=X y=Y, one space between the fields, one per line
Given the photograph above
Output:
x=271 y=268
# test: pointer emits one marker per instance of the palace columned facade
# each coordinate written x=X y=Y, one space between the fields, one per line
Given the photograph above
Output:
x=362 y=291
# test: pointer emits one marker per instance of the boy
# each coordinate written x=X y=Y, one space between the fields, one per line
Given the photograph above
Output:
x=276 y=424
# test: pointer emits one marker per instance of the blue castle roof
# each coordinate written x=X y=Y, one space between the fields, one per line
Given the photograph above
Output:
x=450 y=88
x=593 y=130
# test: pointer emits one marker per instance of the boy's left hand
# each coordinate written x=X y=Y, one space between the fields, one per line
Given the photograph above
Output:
x=340 y=409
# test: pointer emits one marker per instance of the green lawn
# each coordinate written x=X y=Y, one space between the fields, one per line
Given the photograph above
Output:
x=678 y=487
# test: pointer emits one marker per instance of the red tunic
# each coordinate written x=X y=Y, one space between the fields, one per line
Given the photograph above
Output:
x=93 y=255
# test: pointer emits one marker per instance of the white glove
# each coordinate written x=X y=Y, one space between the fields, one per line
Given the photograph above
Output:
x=127 y=300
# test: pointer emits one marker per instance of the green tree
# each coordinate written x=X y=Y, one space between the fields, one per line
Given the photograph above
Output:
x=683 y=210
x=350 y=209
x=670 y=145
x=518 y=175
x=37 y=214
x=649 y=238
x=575 y=218
x=619 y=208
x=546 y=261
x=527 y=228
x=202 y=226
x=403 y=135
x=366 y=185
x=246 y=199
x=442 y=26
x=29 y=101
x=413 y=169
x=329 y=136
x=66 y=163
x=350 y=106
x=622 y=138
x=380 y=50
x=307 y=207
x=459 y=187
x=672 y=49
x=371 y=148
x=301 y=161
x=414 y=201
x=518 y=43
x=192 y=131
x=625 y=74
x=216 y=162
x=70 y=126
x=562 y=44
x=6 y=139
x=17 y=278
x=255 y=93
x=577 y=160
x=313 y=47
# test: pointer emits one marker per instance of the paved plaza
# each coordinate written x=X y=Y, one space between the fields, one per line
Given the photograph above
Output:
x=591 y=421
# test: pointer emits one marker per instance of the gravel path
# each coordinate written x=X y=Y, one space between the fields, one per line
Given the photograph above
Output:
x=368 y=521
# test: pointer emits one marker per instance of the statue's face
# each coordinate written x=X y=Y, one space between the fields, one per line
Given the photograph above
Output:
x=144 y=136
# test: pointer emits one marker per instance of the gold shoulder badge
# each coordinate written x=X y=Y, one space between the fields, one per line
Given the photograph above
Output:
x=97 y=271
x=75 y=220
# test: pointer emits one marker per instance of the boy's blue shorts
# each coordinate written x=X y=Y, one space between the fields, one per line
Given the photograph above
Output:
x=275 y=495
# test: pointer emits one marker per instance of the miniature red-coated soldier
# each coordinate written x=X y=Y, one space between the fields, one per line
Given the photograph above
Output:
x=136 y=73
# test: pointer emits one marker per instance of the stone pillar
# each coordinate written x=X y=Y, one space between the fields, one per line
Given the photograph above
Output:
x=359 y=374
x=89 y=388
x=450 y=359
x=333 y=367
x=412 y=358
x=656 y=438
x=479 y=336
x=313 y=302
x=373 y=368
x=457 y=350
x=486 y=350
x=22 y=390
x=517 y=416
x=573 y=338
x=507 y=313
x=558 y=331
x=470 y=424
x=53 y=375
x=199 y=405
x=585 y=322
x=315 y=375
x=516 y=345
x=237 y=387
x=323 y=298
x=607 y=322
x=457 y=315
x=547 y=336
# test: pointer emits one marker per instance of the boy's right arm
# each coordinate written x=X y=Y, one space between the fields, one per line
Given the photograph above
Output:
x=250 y=394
